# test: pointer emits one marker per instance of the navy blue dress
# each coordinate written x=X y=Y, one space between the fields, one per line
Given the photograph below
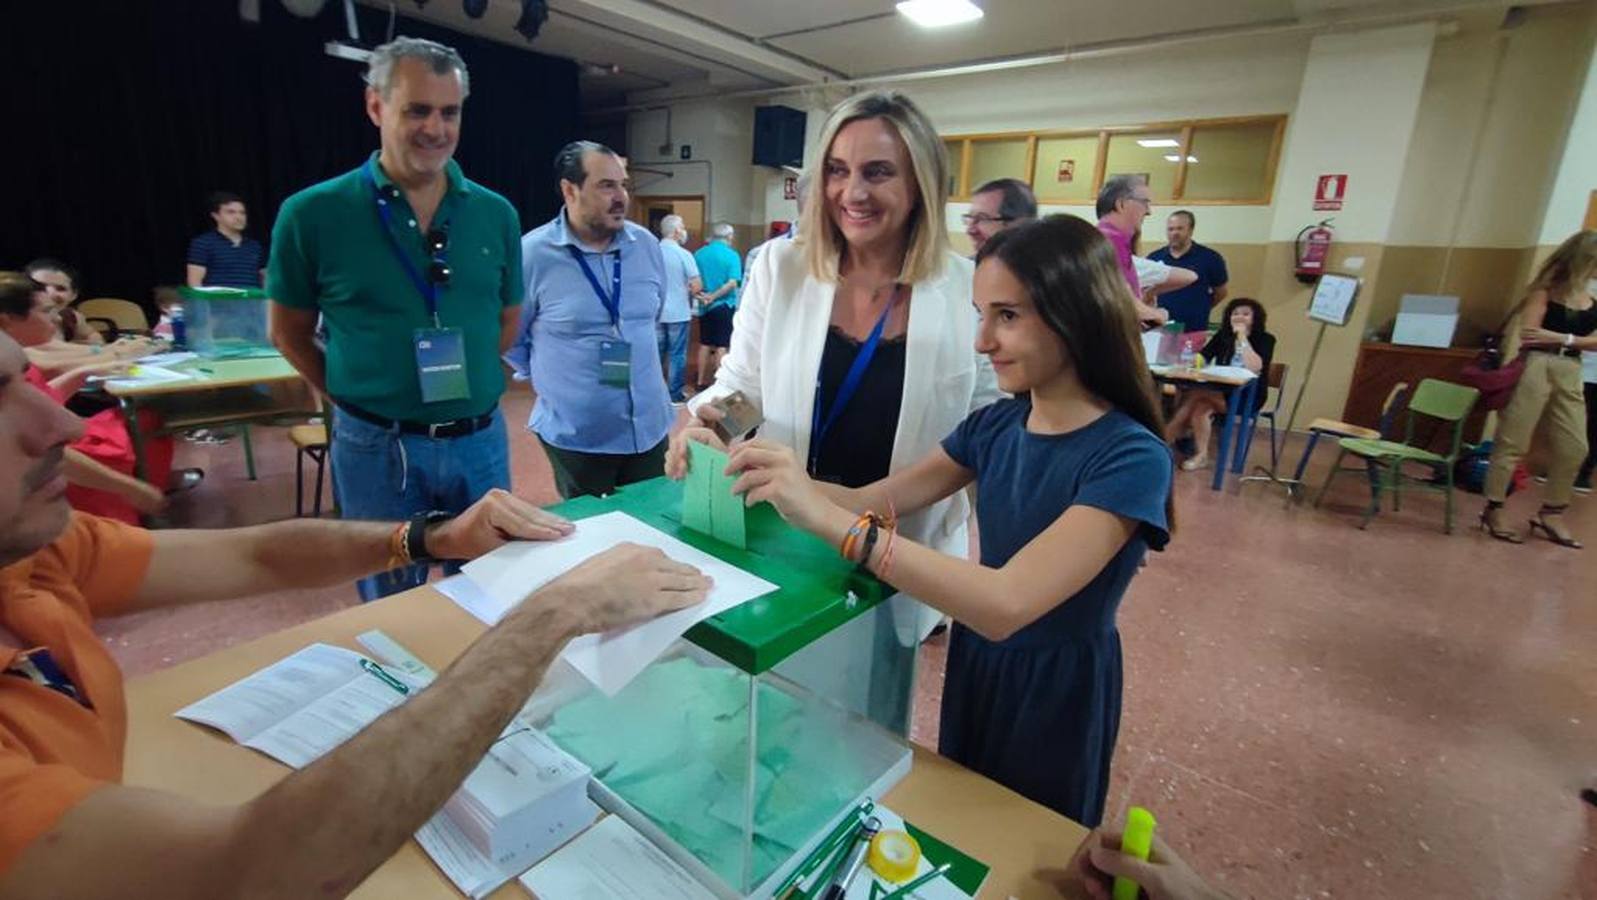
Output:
x=1039 y=712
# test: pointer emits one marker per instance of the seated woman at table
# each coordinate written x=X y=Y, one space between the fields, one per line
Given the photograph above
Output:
x=28 y=316
x=1073 y=486
x=1243 y=343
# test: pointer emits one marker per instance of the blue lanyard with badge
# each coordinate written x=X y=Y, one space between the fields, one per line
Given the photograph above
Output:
x=820 y=427
x=615 y=353
x=440 y=351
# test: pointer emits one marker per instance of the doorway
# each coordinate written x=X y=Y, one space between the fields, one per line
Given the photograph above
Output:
x=648 y=211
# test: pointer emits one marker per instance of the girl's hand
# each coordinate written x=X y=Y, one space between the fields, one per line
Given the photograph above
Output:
x=770 y=473
x=1540 y=337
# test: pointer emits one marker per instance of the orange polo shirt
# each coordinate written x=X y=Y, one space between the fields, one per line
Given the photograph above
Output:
x=56 y=750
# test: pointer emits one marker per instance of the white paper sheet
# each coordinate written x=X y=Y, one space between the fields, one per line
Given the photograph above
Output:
x=145 y=376
x=168 y=359
x=300 y=707
x=612 y=861
x=461 y=862
x=1241 y=372
x=507 y=575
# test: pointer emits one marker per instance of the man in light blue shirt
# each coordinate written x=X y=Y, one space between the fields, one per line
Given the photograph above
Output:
x=721 y=270
x=596 y=285
x=681 y=284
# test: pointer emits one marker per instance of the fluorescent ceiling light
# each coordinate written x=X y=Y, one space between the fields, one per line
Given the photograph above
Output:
x=937 y=13
x=1158 y=142
x=1176 y=157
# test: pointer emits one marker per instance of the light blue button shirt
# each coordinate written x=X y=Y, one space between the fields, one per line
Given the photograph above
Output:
x=562 y=326
x=679 y=267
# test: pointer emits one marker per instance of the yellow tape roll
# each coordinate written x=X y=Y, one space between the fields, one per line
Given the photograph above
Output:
x=894 y=855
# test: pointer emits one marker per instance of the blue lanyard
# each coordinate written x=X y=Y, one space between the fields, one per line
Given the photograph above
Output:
x=612 y=300
x=429 y=291
x=851 y=382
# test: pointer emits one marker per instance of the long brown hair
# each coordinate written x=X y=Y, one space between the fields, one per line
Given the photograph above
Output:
x=1074 y=279
x=1571 y=265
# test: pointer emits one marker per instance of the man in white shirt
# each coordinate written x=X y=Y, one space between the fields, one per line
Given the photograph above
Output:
x=676 y=315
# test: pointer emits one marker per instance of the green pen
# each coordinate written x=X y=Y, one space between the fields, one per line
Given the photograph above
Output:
x=920 y=882
x=382 y=674
x=826 y=849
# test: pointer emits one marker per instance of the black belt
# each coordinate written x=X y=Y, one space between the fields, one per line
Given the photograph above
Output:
x=451 y=429
x=1570 y=352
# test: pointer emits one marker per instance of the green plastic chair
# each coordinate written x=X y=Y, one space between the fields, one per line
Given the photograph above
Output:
x=1436 y=399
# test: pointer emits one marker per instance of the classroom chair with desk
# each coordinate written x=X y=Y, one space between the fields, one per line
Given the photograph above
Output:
x=1441 y=400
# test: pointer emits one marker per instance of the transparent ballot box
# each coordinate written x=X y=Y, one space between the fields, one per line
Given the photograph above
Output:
x=226 y=323
x=741 y=747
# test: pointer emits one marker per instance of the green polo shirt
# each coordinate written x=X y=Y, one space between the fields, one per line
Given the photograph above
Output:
x=329 y=253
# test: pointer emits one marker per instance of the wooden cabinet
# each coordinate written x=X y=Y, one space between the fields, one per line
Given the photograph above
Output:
x=1380 y=366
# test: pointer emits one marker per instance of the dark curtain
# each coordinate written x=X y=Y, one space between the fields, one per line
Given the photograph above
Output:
x=129 y=112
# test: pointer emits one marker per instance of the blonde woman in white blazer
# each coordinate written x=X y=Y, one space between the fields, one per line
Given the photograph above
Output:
x=872 y=249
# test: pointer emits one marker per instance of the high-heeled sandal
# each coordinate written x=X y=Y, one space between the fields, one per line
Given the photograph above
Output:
x=1540 y=524
x=1490 y=527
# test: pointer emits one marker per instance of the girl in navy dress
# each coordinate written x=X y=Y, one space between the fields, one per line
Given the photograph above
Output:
x=1073 y=486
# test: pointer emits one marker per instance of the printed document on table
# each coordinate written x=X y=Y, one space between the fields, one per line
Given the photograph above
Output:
x=611 y=660
x=612 y=861
x=300 y=707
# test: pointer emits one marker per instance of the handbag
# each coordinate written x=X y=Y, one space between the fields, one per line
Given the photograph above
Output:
x=1489 y=374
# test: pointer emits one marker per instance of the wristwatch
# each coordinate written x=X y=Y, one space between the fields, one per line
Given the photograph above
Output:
x=416 y=535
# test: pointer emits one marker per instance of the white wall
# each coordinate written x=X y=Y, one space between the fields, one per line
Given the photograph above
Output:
x=1355 y=115
x=721 y=135
x=1577 y=173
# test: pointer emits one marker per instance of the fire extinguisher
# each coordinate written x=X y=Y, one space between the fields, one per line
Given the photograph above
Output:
x=1313 y=247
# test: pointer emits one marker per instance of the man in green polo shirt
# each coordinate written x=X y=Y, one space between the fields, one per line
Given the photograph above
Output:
x=416 y=272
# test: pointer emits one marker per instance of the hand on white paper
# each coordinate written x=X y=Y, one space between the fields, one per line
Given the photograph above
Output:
x=624 y=585
x=697 y=429
x=497 y=518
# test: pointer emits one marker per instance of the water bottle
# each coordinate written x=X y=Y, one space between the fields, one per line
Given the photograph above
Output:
x=179 y=331
x=1186 y=355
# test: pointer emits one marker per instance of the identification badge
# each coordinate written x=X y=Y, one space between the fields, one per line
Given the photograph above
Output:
x=615 y=364
x=441 y=364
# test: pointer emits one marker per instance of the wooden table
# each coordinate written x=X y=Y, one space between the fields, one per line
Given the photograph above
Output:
x=1028 y=846
x=1238 y=409
x=216 y=393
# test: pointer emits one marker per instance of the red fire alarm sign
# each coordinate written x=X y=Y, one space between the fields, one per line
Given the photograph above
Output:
x=1329 y=191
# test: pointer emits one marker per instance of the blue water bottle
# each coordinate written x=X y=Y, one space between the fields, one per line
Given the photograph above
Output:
x=179 y=330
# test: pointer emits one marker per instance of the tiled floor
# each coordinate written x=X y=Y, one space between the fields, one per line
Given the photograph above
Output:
x=1310 y=710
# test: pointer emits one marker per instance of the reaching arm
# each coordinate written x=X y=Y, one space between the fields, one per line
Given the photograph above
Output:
x=322 y=830
x=195 y=275
x=995 y=602
x=84 y=471
x=195 y=566
x=294 y=335
x=1177 y=279
x=933 y=477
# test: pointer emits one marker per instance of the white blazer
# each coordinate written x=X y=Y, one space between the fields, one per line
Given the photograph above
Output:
x=778 y=335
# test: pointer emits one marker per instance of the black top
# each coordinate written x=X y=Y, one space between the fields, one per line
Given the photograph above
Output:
x=1223 y=346
x=1564 y=320
x=859 y=448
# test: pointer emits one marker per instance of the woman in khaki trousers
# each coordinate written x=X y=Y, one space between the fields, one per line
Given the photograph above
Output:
x=1557 y=323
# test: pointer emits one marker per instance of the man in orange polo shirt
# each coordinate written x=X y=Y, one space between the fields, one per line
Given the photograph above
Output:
x=68 y=828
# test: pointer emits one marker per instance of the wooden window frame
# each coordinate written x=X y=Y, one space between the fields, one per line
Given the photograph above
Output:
x=1186 y=128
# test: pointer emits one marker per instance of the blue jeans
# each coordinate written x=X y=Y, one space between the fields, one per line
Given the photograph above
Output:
x=673 y=338
x=383 y=475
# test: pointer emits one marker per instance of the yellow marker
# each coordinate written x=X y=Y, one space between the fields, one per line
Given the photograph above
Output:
x=1136 y=841
x=894 y=855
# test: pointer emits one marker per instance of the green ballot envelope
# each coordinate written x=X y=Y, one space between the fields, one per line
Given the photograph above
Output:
x=708 y=504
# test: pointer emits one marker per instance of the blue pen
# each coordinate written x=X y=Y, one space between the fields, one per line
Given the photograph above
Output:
x=382 y=674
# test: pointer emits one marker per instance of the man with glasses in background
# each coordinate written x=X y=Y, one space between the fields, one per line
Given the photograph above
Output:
x=1123 y=202
x=999 y=204
x=416 y=271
